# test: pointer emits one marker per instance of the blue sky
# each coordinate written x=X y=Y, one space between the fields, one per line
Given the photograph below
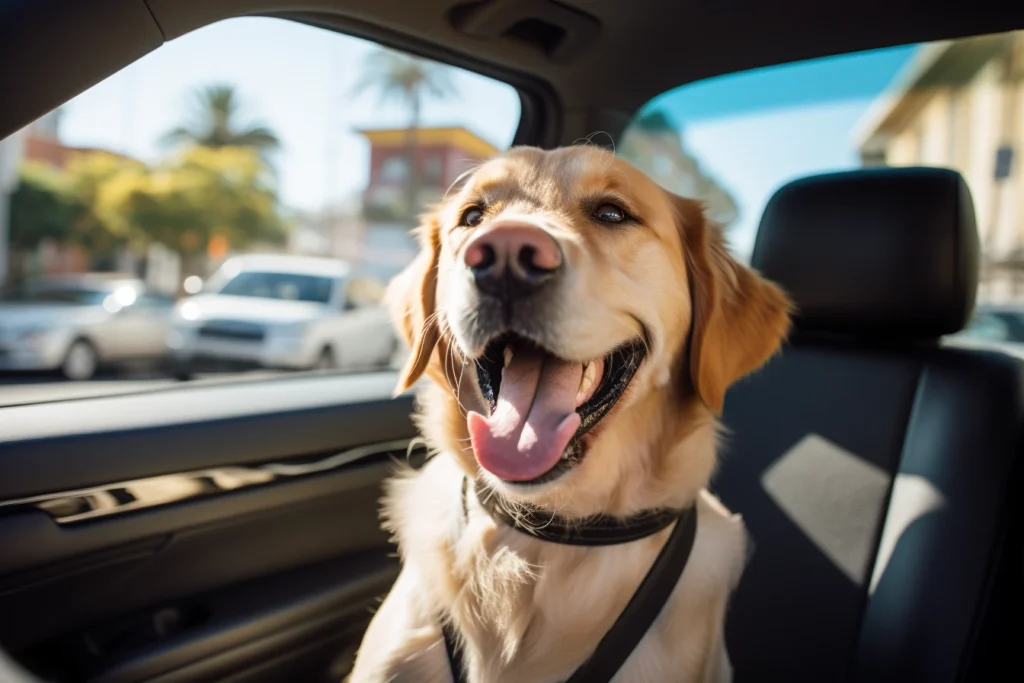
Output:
x=297 y=79
x=751 y=131
x=756 y=130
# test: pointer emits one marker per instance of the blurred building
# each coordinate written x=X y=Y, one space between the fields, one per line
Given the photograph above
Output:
x=960 y=104
x=12 y=149
x=42 y=143
x=337 y=230
x=653 y=144
x=39 y=142
x=440 y=156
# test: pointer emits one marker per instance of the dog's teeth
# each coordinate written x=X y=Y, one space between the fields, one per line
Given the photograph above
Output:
x=508 y=355
x=589 y=374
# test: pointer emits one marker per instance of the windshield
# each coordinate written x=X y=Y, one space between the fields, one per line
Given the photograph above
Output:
x=66 y=295
x=286 y=286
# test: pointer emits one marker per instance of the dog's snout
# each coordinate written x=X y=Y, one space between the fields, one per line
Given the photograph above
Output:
x=512 y=259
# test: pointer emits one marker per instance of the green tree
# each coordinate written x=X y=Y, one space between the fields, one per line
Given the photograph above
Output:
x=53 y=205
x=214 y=122
x=43 y=207
x=58 y=205
x=85 y=174
x=410 y=81
x=198 y=195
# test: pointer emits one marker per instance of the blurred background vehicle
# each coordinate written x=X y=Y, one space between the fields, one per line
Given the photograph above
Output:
x=997 y=323
x=78 y=324
x=999 y=327
x=282 y=312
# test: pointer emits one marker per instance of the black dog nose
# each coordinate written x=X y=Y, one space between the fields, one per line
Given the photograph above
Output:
x=511 y=260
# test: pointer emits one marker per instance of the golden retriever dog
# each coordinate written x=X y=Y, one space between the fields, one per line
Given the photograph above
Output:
x=579 y=326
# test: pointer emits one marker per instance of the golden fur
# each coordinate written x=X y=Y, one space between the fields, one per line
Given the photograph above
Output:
x=530 y=611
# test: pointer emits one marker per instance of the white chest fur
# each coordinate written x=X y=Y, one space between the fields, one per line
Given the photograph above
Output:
x=531 y=611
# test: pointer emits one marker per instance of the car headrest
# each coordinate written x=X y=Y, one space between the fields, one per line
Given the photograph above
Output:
x=880 y=252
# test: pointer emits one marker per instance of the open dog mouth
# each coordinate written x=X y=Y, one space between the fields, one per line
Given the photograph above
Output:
x=542 y=406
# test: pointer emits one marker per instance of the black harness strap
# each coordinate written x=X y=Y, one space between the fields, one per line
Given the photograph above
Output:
x=644 y=607
x=451 y=646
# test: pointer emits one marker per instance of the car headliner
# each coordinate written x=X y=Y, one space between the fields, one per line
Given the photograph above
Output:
x=55 y=49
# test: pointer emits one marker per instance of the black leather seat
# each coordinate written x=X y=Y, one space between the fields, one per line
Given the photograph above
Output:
x=877 y=470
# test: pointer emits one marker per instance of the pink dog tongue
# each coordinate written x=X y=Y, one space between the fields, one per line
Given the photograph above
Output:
x=534 y=419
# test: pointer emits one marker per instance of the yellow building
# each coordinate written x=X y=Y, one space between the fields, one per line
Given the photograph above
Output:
x=960 y=104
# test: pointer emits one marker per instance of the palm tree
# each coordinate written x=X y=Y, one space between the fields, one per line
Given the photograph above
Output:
x=410 y=81
x=214 y=123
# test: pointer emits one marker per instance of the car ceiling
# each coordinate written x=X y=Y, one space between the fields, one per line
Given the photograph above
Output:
x=627 y=52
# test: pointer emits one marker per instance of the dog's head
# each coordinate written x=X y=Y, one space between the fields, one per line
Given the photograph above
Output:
x=562 y=296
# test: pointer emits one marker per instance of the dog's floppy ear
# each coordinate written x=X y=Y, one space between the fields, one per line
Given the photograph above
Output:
x=739 y=319
x=411 y=299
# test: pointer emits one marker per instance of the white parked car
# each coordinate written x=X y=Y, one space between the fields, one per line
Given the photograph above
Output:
x=76 y=324
x=283 y=312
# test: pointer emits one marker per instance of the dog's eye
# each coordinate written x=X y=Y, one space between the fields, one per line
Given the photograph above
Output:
x=472 y=217
x=609 y=213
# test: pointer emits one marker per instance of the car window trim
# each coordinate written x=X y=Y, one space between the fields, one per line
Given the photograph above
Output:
x=80 y=443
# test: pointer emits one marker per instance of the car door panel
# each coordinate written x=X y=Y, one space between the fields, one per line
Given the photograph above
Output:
x=380 y=329
x=140 y=330
x=269 y=580
x=183 y=549
x=68 y=445
x=233 y=631
x=365 y=336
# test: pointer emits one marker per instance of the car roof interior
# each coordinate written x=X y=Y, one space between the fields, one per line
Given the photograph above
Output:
x=863 y=362
x=582 y=66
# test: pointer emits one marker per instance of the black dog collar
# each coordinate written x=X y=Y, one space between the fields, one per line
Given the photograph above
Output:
x=645 y=605
x=590 y=531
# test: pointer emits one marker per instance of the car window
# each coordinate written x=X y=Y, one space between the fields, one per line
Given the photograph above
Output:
x=732 y=141
x=154 y=301
x=254 y=137
x=286 y=286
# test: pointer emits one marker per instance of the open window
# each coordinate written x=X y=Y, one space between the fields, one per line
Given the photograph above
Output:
x=239 y=172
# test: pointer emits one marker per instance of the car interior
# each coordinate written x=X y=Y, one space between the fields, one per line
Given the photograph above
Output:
x=230 y=532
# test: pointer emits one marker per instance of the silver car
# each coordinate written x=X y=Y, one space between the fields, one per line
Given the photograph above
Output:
x=281 y=312
x=77 y=324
